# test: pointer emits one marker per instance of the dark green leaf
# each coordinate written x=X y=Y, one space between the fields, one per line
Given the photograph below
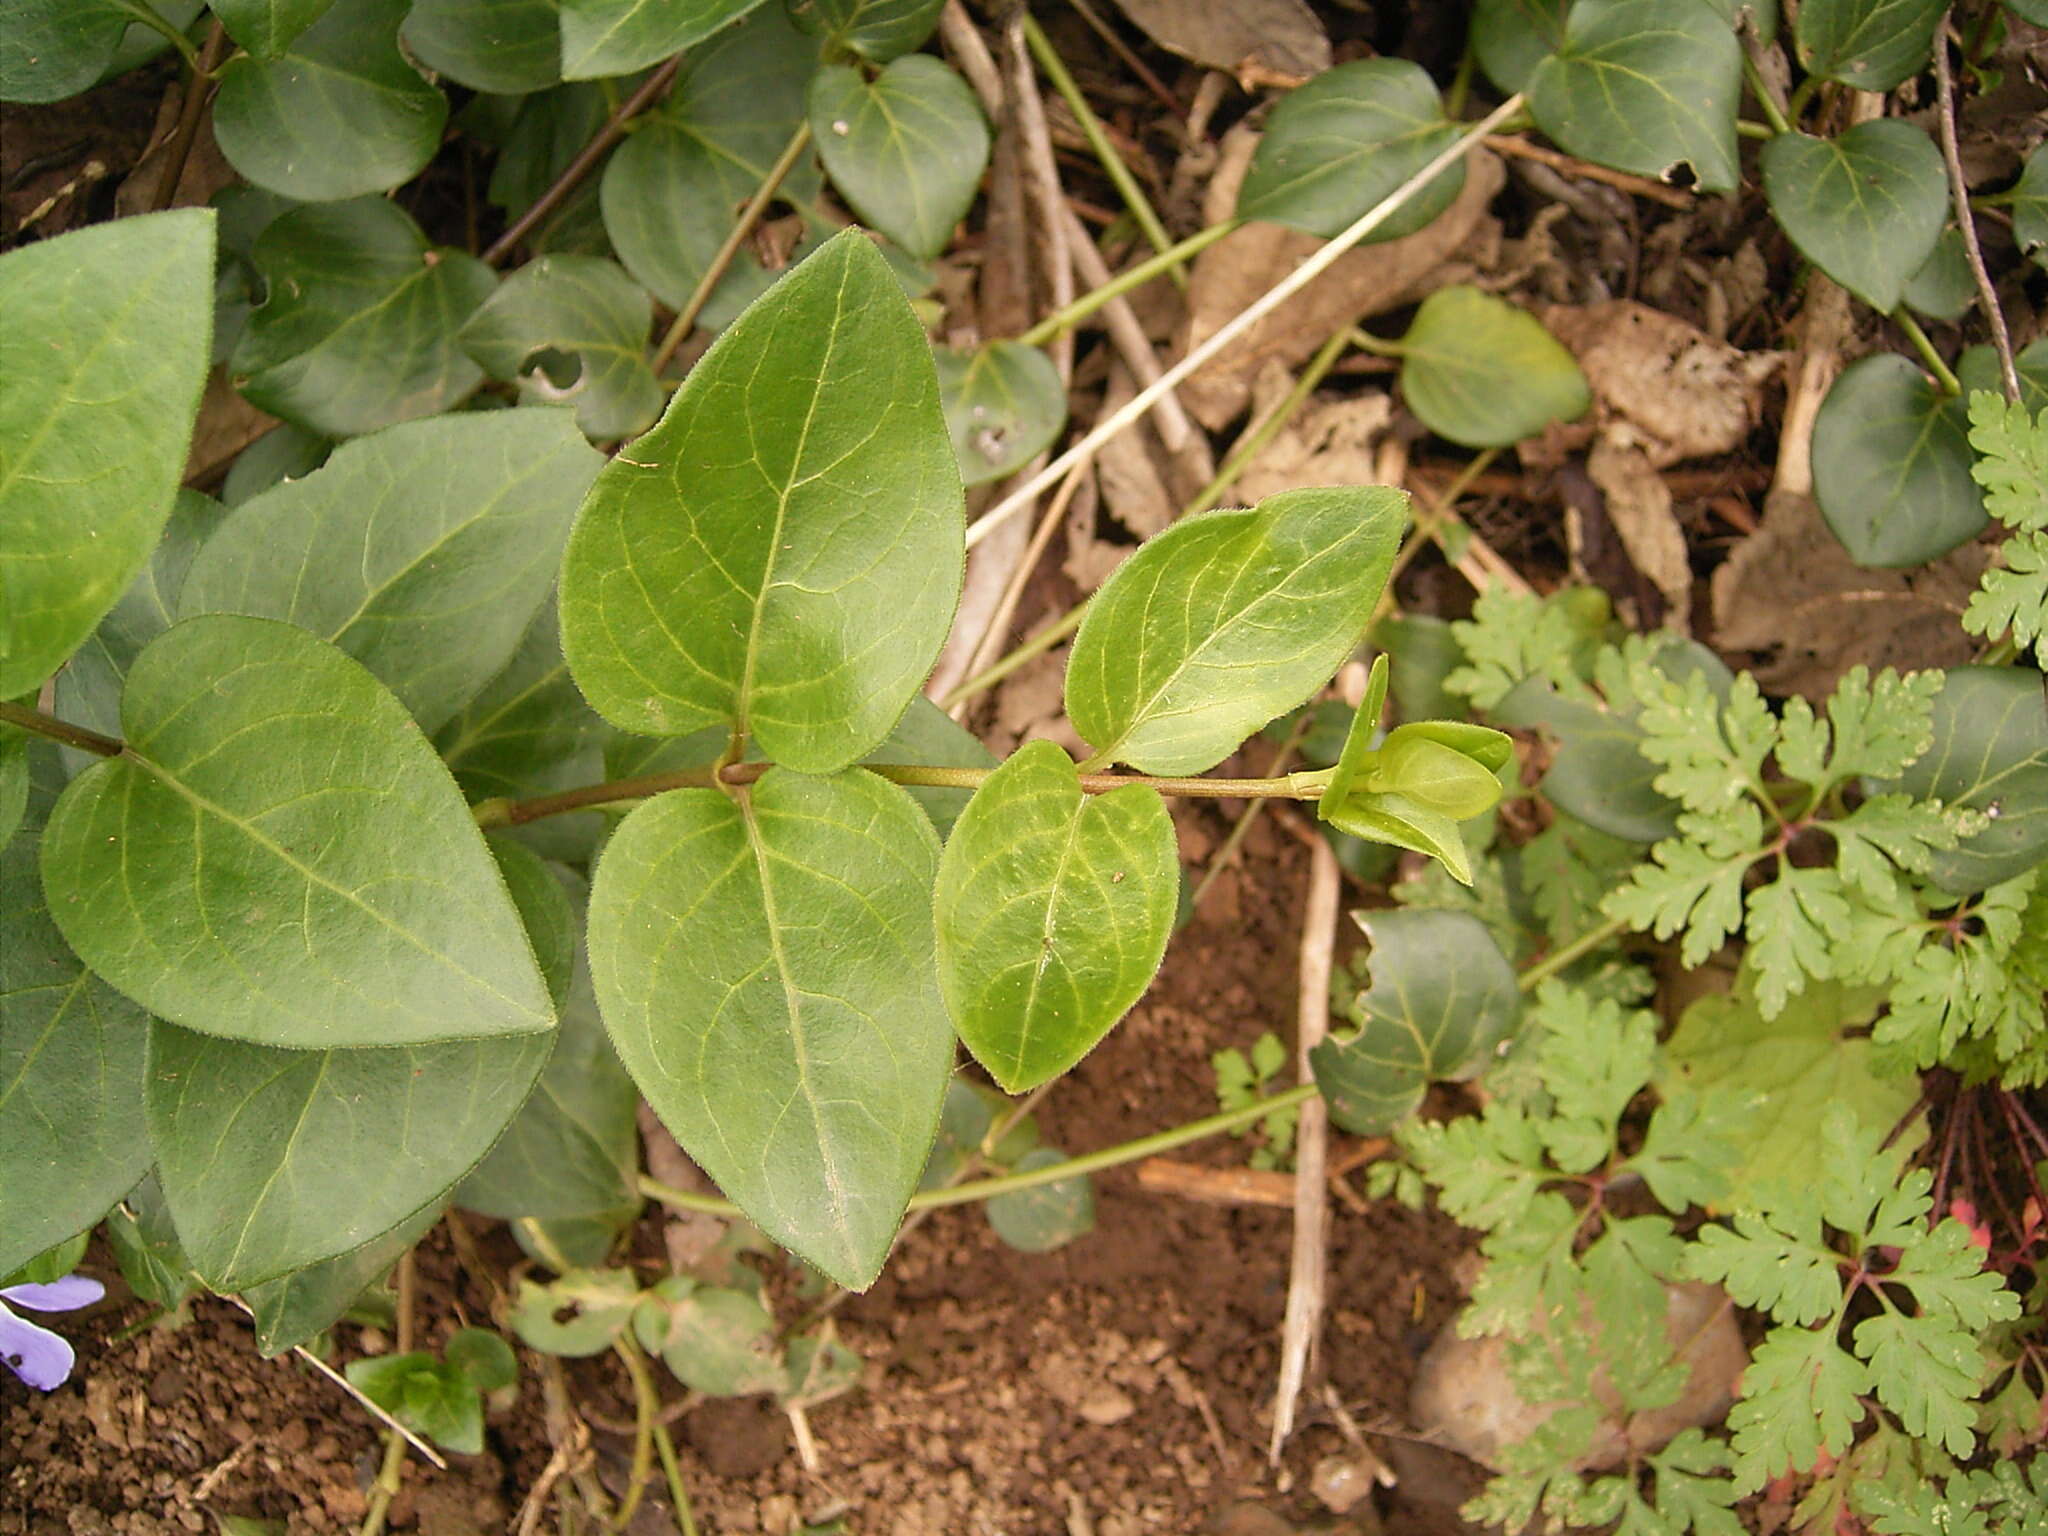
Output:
x=906 y=149
x=1511 y=37
x=1891 y=465
x=1644 y=86
x=13 y=782
x=267 y=27
x=545 y=912
x=1424 y=652
x=483 y=1358
x=2030 y=207
x=506 y=46
x=104 y=350
x=584 y=307
x=877 y=30
x=1481 y=372
x=802 y=1072
x=1225 y=620
x=146 y=1247
x=1870 y=44
x=549 y=131
x=1866 y=207
x=283 y=453
x=359 y=329
x=1054 y=908
x=279 y=857
x=835 y=545
x=50 y=49
x=929 y=737
x=616 y=37
x=1048 y=1217
x=337 y=113
x=1943 y=288
x=293 y=1308
x=1339 y=144
x=1004 y=405
x=1442 y=997
x=423 y=551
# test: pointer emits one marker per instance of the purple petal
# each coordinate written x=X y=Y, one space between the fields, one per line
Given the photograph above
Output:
x=38 y=1356
x=65 y=1295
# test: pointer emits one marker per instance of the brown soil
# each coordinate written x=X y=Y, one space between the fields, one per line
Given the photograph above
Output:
x=1119 y=1386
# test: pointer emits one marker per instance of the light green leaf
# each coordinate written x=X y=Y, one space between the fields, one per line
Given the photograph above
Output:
x=279 y=857
x=293 y=1308
x=1891 y=465
x=906 y=149
x=337 y=113
x=50 y=49
x=1866 y=207
x=13 y=782
x=673 y=190
x=1481 y=372
x=104 y=350
x=428 y=1396
x=423 y=551
x=1512 y=37
x=1990 y=754
x=877 y=30
x=2030 y=207
x=1442 y=997
x=267 y=27
x=616 y=37
x=796 y=585
x=1870 y=44
x=585 y=307
x=1049 y=1216
x=721 y=1342
x=1054 y=908
x=1227 y=619
x=578 y=1314
x=275 y=1159
x=1339 y=144
x=146 y=1247
x=505 y=46
x=1643 y=86
x=359 y=329
x=71 y=1048
x=1004 y=405
x=803 y=1073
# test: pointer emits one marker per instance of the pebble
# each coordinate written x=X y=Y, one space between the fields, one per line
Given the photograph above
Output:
x=1106 y=1405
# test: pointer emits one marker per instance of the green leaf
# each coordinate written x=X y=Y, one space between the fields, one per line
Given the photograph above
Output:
x=1512 y=37
x=877 y=30
x=721 y=1342
x=545 y=911
x=801 y=592
x=505 y=46
x=1943 y=288
x=578 y=1314
x=13 y=783
x=1866 y=207
x=146 y=1247
x=484 y=1359
x=1339 y=144
x=359 y=329
x=516 y=735
x=2030 y=207
x=584 y=307
x=1048 y=1217
x=104 y=351
x=1226 y=620
x=616 y=37
x=278 y=856
x=549 y=129
x=275 y=1159
x=1891 y=465
x=1442 y=996
x=267 y=27
x=283 y=453
x=1597 y=769
x=1053 y=909
x=293 y=1308
x=337 y=113
x=673 y=190
x=907 y=148
x=71 y=1132
x=428 y=1396
x=423 y=551
x=1870 y=44
x=803 y=1073
x=1643 y=86
x=1990 y=754
x=51 y=49
x=1004 y=405
x=1479 y=371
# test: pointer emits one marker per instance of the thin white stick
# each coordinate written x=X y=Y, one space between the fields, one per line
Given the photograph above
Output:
x=1025 y=494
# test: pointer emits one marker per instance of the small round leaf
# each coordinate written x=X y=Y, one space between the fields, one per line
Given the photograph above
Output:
x=1891 y=465
x=1004 y=405
x=1866 y=207
x=1049 y=1216
x=1479 y=371
x=906 y=148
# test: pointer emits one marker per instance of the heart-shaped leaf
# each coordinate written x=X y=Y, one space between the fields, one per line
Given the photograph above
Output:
x=583 y=307
x=1891 y=465
x=877 y=30
x=1511 y=37
x=1870 y=44
x=1227 y=619
x=422 y=551
x=1054 y=908
x=1049 y=1216
x=1442 y=996
x=279 y=857
x=766 y=967
x=50 y=49
x=359 y=329
x=616 y=37
x=1865 y=207
x=428 y=1396
x=336 y=113
x=907 y=148
x=267 y=27
x=796 y=586
x=1481 y=372
x=104 y=350
x=1643 y=86
x=505 y=46
x=1943 y=287
x=71 y=1061
x=291 y=1309
x=1004 y=405
x=1342 y=142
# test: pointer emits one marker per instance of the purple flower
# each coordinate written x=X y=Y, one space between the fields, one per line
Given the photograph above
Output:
x=38 y=1356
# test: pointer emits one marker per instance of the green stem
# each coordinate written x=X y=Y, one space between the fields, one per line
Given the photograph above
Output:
x=678 y=1490
x=386 y=1487
x=1112 y=163
x=1168 y=260
x=1255 y=440
x=645 y=1405
x=63 y=732
x=1558 y=959
x=1745 y=129
x=1037 y=645
x=1461 y=83
x=1801 y=95
x=1942 y=375
x=1761 y=89
x=148 y=17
